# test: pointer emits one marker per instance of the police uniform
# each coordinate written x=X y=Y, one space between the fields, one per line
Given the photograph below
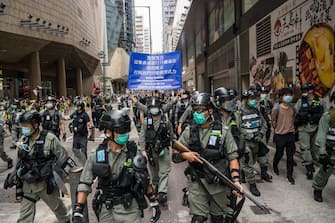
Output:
x=157 y=135
x=266 y=108
x=35 y=169
x=15 y=119
x=186 y=117
x=252 y=125
x=325 y=140
x=80 y=132
x=199 y=202
x=3 y=154
x=51 y=121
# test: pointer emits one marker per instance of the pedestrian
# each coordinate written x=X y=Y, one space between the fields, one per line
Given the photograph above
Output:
x=309 y=111
x=253 y=130
x=325 y=140
x=283 y=119
x=123 y=179
x=52 y=119
x=208 y=137
x=154 y=142
x=38 y=152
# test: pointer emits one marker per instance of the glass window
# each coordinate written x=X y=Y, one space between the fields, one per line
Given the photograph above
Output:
x=228 y=14
x=247 y=4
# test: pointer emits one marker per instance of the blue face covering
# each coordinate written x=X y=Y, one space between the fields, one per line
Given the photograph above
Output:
x=49 y=105
x=122 y=139
x=287 y=99
x=26 y=131
x=199 y=118
x=252 y=103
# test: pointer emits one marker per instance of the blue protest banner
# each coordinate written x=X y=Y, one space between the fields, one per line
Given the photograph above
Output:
x=155 y=71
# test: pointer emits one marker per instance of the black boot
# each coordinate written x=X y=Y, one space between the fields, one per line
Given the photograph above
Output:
x=9 y=163
x=254 y=190
x=162 y=198
x=291 y=180
x=318 y=195
x=264 y=175
x=309 y=173
x=216 y=219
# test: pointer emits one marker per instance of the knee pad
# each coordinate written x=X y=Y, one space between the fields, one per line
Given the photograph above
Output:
x=216 y=218
x=198 y=219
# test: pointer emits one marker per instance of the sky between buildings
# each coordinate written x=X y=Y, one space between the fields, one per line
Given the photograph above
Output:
x=156 y=22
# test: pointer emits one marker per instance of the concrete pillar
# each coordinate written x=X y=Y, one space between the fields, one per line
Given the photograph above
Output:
x=35 y=73
x=61 y=77
x=79 y=80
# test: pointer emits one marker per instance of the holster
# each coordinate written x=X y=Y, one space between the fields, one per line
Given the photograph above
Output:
x=151 y=159
x=97 y=203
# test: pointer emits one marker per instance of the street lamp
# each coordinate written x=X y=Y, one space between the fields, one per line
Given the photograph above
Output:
x=148 y=7
x=102 y=56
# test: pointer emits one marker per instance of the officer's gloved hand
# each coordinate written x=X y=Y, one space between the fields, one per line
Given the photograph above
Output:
x=156 y=212
x=324 y=159
x=10 y=180
x=78 y=213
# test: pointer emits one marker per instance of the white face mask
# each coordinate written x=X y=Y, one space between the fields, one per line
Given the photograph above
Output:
x=305 y=94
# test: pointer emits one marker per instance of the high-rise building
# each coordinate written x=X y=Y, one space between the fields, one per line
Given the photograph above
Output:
x=142 y=32
x=168 y=11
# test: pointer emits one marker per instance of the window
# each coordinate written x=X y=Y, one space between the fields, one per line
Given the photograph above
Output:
x=247 y=4
x=228 y=14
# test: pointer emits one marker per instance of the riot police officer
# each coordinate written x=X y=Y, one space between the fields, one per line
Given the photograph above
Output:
x=52 y=119
x=181 y=107
x=154 y=142
x=325 y=140
x=123 y=179
x=253 y=129
x=309 y=111
x=3 y=154
x=15 y=121
x=38 y=152
x=208 y=137
x=80 y=125
x=266 y=108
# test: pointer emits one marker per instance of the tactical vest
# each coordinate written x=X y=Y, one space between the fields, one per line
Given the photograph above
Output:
x=159 y=138
x=309 y=112
x=107 y=182
x=36 y=167
x=181 y=110
x=250 y=121
x=50 y=122
x=79 y=124
x=214 y=151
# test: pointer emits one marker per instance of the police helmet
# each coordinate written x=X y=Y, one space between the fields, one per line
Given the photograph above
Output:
x=204 y=99
x=265 y=90
x=221 y=94
x=140 y=162
x=51 y=98
x=116 y=120
x=307 y=87
x=31 y=116
x=154 y=102
x=255 y=87
x=80 y=104
x=248 y=94
x=232 y=93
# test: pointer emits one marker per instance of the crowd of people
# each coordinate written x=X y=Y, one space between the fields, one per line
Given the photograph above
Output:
x=232 y=133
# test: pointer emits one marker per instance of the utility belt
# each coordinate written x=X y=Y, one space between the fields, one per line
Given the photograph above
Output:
x=111 y=200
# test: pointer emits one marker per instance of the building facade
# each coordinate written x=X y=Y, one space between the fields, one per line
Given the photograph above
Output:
x=272 y=43
x=49 y=44
x=142 y=33
x=168 y=11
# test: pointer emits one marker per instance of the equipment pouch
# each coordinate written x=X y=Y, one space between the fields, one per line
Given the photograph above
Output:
x=127 y=199
x=97 y=203
x=101 y=169
x=185 y=197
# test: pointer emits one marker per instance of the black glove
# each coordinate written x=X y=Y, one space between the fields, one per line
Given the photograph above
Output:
x=78 y=213
x=156 y=212
x=64 y=137
x=10 y=180
x=324 y=159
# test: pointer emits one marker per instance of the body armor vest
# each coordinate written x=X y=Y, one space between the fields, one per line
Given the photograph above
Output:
x=161 y=137
x=50 y=122
x=251 y=121
x=79 y=124
x=37 y=166
x=309 y=112
x=181 y=110
x=109 y=183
